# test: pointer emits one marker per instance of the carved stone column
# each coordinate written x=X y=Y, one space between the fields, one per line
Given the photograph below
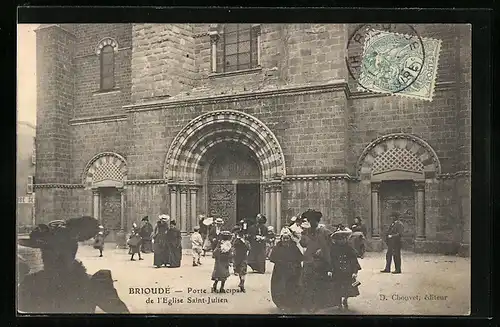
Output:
x=257 y=31
x=173 y=201
x=122 y=208
x=96 y=204
x=278 y=208
x=272 y=216
x=420 y=209
x=183 y=216
x=376 y=217
x=267 y=191
x=121 y=235
x=214 y=38
x=194 y=220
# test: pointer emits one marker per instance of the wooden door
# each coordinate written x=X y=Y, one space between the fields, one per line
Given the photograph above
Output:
x=110 y=208
x=222 y=202
x=399 y=196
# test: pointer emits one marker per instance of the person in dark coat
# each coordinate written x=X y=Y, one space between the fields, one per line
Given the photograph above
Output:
x=240 y=256
x=134 y=242
x=64 y=286
x=174 y=246
x=160 y=242
x=285 y=279
x=146 y=234
x=99 y=240
x=215 y=231
x=257 y=237
x=393 y=241
x=345 y=267
x=223 y=256
x=358 y=237
x=317 y=263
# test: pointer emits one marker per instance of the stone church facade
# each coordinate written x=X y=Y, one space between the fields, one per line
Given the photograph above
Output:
x=231 y=120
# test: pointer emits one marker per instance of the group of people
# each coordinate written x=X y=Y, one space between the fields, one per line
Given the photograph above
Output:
x=314 y=268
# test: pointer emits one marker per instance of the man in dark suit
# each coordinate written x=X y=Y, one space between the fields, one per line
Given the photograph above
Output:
x=393 y=240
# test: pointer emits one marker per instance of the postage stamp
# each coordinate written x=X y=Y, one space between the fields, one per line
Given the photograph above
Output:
x=395 y=64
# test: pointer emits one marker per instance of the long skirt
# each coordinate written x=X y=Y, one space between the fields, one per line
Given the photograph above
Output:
x=160 y=256
x=257 y=257
x=318 y=289
x=146 y=246
x=221 y=270
x=174 y=256
x=207 y=245
x=285 y=287
x=342 y=283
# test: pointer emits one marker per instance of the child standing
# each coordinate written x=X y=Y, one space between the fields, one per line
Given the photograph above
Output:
x=240 y=250
x=270 y=240
x=99 y=240
x=134 y=242
x=196 y=246
x=222 y=255
x=345 y=266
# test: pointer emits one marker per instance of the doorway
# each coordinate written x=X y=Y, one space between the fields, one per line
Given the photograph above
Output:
x=110 y=214
x=232 y=183
x=248 y=200
x=399 y=197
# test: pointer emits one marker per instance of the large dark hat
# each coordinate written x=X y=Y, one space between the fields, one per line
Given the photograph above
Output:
x=145 y=218
x=62 y=232
x=312 y=215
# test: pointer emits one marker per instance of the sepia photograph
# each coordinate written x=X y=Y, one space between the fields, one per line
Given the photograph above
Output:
x=244 y=168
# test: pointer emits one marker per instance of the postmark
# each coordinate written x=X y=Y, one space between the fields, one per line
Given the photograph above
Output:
x=395 y=61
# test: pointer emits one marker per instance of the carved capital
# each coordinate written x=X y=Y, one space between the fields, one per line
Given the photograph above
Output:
x=95 y=192
x=214 y=36
x=419 y=186
x=375 y=187
x=184 y=189
x=193 y=189
x=256 y=29
x=173 y=188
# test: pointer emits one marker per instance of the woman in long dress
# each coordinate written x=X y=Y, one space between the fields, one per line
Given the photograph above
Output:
x=160 y=242
x=257 y=237
x=285 y=279
x=174 y=246
x=317 y=263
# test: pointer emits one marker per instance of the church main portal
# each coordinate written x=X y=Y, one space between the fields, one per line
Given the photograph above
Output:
x=232 y=183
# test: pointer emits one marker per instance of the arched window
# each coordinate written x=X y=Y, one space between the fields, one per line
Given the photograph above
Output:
x=107 y=57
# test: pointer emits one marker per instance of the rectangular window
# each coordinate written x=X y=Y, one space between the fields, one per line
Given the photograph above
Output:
x=239 y=43
x=30 y=185
x=107 y=68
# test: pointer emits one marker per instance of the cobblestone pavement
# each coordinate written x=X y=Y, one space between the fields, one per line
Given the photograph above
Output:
x=429 y=285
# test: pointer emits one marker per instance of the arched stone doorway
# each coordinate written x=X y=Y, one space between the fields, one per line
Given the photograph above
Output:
x=217 y=156
x=232 y=188
x=396 y=168
x=105 y=175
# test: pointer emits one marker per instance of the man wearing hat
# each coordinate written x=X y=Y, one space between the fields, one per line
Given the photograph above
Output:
x=146 y=233
x=393 y=241
x=64 y=286
x=215 y=231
